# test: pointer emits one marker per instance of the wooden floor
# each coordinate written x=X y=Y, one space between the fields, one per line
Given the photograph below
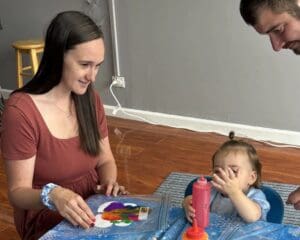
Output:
x=146 y=154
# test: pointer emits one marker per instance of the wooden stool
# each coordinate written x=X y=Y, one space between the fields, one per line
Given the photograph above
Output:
x=32 y=48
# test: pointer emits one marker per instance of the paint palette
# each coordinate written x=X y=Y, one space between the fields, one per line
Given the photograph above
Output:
x=120 y=214
x=137 y=216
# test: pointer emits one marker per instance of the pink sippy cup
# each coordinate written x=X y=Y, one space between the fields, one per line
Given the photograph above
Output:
x=201 y=201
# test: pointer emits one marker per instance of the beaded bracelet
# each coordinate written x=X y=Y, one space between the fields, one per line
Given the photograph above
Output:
x=45 y=195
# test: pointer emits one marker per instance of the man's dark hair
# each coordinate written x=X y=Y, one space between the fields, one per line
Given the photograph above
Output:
x=250 y=9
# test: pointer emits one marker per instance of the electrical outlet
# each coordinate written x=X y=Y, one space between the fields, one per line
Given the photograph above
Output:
x=118 y=81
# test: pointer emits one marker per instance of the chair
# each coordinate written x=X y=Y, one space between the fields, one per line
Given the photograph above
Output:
x=32 y=48
x=275 y=215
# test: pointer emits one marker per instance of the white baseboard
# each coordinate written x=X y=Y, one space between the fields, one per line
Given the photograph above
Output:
x=201 y=125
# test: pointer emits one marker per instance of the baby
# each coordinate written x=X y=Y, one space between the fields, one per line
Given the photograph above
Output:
x=235 y=183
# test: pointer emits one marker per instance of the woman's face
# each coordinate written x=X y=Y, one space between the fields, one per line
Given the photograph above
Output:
x=81 y=65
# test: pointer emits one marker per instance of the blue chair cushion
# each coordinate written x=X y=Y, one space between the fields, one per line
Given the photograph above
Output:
x=275 y=215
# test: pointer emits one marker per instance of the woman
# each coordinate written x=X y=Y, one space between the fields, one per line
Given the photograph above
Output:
x=55 y=140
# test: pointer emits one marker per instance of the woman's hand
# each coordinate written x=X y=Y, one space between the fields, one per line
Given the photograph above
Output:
x=188 y=208
x=72 y=207
x=111 y=188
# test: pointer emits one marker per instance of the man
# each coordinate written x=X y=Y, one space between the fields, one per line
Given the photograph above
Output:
x=280 y=20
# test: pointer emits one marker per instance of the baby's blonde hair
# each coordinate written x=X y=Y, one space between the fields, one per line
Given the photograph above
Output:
x=241 y=146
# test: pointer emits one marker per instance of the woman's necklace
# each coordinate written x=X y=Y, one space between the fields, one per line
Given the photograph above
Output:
x=67 y=113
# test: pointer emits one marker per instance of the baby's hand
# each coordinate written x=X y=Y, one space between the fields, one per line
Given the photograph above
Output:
x=188 y=208
x=226 y=182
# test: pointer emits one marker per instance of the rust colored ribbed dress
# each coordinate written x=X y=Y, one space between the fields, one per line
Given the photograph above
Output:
x=60 y=161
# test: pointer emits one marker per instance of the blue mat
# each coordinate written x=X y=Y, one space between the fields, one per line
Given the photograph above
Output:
x=176 y=183
x=168 y=223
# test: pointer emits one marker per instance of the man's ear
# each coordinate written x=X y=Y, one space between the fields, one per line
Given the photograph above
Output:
x=253 y=177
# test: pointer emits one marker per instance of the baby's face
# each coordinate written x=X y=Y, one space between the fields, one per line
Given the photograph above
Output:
x=240 y=164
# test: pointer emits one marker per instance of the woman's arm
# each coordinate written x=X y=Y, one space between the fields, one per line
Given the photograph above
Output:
x=107 y=171
x=19 y=178
x=21 y=194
